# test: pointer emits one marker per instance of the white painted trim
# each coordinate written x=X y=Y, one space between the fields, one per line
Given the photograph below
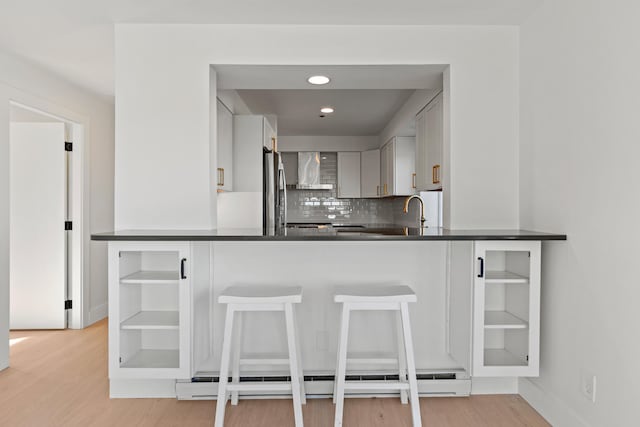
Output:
x=127 y=389
x=98 y=313
x=553 y=410
x=494 y=385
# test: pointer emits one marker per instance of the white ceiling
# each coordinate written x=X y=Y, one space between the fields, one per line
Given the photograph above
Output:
x=342 y=76
x=358 y=112
x=74 y=38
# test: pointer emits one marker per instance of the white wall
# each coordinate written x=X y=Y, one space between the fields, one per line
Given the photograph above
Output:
x=403 y=123
x=30 y=85
x=162 y=109
x=327 y=143
x=579 y=175
x=233 y=101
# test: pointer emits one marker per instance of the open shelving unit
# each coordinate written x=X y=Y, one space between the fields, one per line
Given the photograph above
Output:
x=506 y=309
x=150 y=293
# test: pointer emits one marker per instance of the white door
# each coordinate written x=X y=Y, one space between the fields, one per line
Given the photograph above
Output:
x=38 y=253
x=349 y=175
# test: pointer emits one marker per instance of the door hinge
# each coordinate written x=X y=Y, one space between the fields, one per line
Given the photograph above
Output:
x=68 y=225
x=68 y=305
x=68 y=146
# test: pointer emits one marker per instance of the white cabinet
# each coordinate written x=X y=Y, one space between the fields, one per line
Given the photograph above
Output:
x=506 y=309
x=290 y=163
x=225 y=148
x=348 y=175
x=429 y=144
x=370 y=173
x=149 y=310
x=250 y=134
x=397 y=167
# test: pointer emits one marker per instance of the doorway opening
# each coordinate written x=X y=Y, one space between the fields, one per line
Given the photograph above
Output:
x=45 y=220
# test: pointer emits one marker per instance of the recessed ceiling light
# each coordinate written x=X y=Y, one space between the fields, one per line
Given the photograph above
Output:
x=318 y=80
x=326 y=110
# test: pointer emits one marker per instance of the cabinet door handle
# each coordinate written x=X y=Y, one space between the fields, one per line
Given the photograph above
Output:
x=377 y=190
x=435 y=174
x=481 y=273
x=220 y=177
x=182 y=272
x=413 y=180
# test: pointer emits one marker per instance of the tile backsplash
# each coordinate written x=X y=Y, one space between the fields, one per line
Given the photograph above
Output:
x=324 y=206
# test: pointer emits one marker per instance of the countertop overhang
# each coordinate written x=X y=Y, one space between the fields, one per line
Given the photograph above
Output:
x=386 y=233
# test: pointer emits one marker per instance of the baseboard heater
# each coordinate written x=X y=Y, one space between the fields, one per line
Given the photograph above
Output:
x=452 y=383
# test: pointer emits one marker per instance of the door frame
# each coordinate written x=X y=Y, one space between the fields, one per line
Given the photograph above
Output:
x=78 y=251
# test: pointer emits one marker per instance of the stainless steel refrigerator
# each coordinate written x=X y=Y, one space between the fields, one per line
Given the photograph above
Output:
x=274 y=192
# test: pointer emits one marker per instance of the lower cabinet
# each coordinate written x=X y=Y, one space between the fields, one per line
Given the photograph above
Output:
x=149 y=315
x=506 y=309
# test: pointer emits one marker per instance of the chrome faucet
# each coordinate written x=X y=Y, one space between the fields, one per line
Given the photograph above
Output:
x=406 y=207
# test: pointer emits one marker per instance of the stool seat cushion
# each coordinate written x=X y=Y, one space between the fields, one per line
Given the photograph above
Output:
x=374 y=293
x=260 y=294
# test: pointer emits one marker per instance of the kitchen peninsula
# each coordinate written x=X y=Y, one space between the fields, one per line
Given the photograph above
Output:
x=477 y=313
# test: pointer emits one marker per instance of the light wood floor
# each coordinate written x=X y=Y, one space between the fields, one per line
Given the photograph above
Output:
x=59 y=378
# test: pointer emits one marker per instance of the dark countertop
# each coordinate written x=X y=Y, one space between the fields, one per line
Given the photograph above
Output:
x=370 y=232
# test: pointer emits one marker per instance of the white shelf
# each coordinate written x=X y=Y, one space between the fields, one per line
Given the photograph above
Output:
x=152 y=320
x=504 y=277
x=152 y=277
x=501 y=357
x=157 y=359
x=503 y=320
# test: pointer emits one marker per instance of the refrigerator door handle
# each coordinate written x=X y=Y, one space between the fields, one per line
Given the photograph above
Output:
x=283 y=181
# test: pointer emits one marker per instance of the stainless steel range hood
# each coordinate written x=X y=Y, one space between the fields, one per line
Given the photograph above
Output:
x=309 y=171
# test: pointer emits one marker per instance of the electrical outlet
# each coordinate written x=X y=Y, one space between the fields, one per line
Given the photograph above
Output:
x=588 y=386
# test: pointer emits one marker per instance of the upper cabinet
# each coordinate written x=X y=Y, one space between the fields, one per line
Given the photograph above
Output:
x=348 y=174
x=225 y=148
x=290 y=163
x=370 y=173
x=429 y=141
x=250 y=134
x=397 y=166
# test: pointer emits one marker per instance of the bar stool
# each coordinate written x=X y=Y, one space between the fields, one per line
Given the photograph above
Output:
x=360 y=298
x=240 y=299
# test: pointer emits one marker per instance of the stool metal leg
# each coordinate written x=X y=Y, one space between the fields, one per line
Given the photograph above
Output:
x=402 y=358
x=411 y=365
x=237 y=352
x=342 y=364
x=224 y=367
x=293 y=362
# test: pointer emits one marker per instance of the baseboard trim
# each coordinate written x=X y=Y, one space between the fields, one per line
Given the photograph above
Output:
x=494 y=385
x=548 y=405
x=98 y=313
x=145 y=388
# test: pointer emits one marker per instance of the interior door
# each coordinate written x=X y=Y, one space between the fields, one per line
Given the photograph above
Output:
x=38 y=191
